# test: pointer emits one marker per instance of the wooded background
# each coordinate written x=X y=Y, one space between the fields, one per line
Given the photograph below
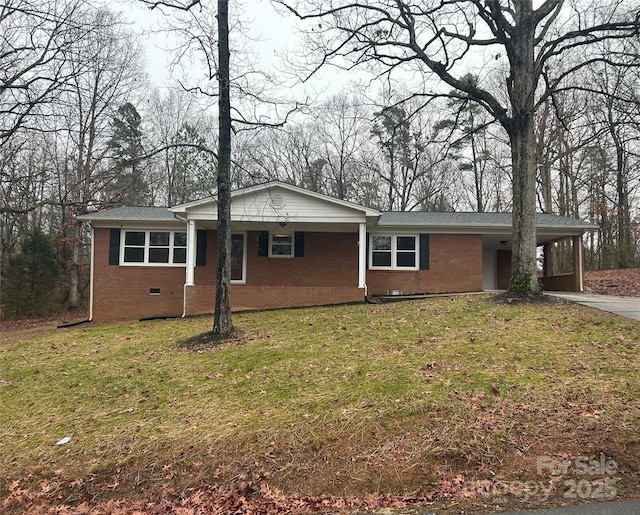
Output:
x=82 y=129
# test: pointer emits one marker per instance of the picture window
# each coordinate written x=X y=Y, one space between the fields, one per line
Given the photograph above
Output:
x=154 y=248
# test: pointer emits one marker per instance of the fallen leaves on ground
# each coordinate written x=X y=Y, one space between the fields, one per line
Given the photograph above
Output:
x=253 y=496
x=624 y=282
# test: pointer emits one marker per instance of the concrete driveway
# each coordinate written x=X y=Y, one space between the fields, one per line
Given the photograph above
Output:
x=605 y=508
x=625 y=306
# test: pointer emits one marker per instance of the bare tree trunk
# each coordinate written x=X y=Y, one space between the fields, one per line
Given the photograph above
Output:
x=522 y=85
x=74 y=291
x=477 y=173
x=523 y=266
x=222 y=318
x=543 y=159
x=624 y=251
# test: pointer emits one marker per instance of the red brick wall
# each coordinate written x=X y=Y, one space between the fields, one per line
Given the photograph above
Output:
x=330 y=259
x=455 y=265
x=328 y=273
x=122 y=292
x=200 y=298
x=561 y=282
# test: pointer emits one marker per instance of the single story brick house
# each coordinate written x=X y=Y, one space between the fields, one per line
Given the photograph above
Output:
x=293 y=247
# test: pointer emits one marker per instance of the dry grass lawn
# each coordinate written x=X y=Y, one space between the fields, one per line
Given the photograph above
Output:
x=444 y=402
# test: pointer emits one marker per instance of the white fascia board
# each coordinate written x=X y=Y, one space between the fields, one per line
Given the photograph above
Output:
x=182 y=208
x=561 y=231
x=290 y=220
x=442 y=228
x=143 y=225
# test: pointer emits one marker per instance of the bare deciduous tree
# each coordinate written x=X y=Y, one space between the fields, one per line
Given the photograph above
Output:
x=441 y=39
x=208 y=39
x=104 y=69
x=35 y=40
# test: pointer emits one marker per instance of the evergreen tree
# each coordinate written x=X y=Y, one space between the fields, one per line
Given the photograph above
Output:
x=30 y=285
x=192 y=174
x=129 y=185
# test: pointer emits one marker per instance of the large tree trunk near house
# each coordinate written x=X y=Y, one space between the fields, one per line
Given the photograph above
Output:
x=524 y=274
x=521 y=85
x=222 y=317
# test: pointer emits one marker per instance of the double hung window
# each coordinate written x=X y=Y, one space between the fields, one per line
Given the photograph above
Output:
x=390 y=251
x=282 y=245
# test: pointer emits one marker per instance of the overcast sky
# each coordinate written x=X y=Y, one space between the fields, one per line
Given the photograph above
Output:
x=276 y=35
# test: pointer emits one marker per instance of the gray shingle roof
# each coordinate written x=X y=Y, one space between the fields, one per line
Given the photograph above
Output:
x=497 y=220
x=132 y=213
x=389 y=218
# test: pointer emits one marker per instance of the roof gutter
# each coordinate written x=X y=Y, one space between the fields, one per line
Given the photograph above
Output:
x=575 y=230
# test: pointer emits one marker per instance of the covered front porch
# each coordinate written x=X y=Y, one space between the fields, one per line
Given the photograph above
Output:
x=289 y=248
x=274 y=266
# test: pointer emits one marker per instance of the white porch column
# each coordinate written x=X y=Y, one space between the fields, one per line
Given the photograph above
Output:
x=578 y=265
x=362 y=256
x=191 y=252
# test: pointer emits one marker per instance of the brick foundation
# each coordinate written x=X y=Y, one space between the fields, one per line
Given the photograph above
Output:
x=200 y=298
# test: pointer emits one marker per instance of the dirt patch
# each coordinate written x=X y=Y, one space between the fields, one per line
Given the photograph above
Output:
x=30 y=323
x=613 y=282
x=16 y=330
x=212 y=341
x=516 y=299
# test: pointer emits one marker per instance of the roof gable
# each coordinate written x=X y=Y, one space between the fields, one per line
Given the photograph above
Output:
x=279 y=202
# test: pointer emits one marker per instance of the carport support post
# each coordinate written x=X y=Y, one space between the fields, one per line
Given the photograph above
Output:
x=547 y=264
x=577 y=263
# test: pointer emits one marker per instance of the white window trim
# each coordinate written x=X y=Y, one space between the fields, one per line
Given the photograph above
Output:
x=244 y=259
x=394 y=252
x=146 y=247
x=293 y=245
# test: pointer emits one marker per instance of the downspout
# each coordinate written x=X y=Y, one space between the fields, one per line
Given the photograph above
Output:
x=362 y=259
x=93 y=246
x=189 y=269
x=184 y=300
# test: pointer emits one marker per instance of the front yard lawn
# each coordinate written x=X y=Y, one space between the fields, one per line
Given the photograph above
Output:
x=448 y=402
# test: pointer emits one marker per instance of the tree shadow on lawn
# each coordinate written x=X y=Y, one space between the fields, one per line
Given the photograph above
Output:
x=212 y=341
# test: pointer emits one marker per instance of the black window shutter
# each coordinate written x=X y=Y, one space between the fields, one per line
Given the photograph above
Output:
x=424 y=252
x=299 y=244
x=114 y=247
x=201 y=247
x=366 y=250
x=263 y=243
